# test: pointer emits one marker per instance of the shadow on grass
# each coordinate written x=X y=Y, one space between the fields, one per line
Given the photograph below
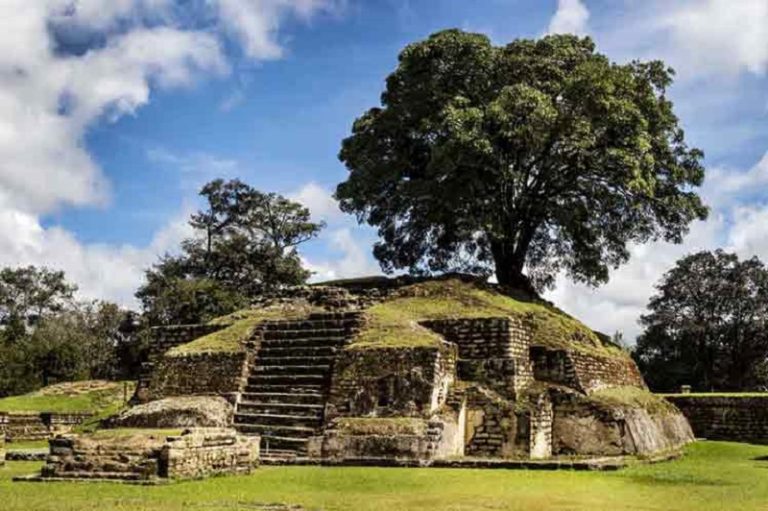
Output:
x=672 y=479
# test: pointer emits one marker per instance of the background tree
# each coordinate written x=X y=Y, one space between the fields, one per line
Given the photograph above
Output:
x=538 y=156
x=29 y=293
x=708 y=325
x=244 y=243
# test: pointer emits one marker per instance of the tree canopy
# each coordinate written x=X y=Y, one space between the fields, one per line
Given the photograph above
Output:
x=708 y=325
x=244 y=243
x=29 y=293
x=525 y=159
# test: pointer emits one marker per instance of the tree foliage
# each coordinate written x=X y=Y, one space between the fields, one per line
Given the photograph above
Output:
x=538 y=156
x=244 y=243
x=29 y=293
x=708 y=325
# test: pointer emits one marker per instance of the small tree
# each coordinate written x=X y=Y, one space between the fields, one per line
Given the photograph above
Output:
x=244 y=244
x=708 y=325
x=538 y=156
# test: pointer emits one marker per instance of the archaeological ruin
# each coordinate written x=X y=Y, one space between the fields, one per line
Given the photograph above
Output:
x=381 y=371
x=450 y=371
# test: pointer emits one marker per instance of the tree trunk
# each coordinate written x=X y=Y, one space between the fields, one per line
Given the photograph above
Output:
x=509 y=269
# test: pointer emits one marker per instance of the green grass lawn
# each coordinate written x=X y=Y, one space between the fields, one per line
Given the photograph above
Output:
x=713 y=476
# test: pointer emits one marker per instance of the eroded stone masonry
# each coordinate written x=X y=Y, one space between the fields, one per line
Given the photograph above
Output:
x=486 y=385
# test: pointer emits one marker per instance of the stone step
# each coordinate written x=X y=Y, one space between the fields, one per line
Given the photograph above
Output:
x=260 y=369
x=282 y=420
x=315 y=410
x=303 y=343
x=310 y=324
x=277 y=456
x=112 y=476
x=274 y=430
x=336 y=315
x=282 y=388
x=287 y=350
x=318 y=333
x=292 y=360
x=287 y=379
x=270 y=443
x=285 y=398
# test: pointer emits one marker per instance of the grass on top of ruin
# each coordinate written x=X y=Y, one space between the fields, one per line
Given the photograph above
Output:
x=714 y=476
x=95 y=396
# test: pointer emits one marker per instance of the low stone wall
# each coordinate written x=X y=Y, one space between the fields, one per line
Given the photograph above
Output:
x=585 y=372
x=205 y=453
x=198 y=374
x=22 y=427
x=147 y=456
x=408 y=382
x=734 y=418
x=163 y=339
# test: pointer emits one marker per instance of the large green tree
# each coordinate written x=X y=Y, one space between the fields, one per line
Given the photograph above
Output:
x=244 y=243
x=525 y=159
x=707 y=325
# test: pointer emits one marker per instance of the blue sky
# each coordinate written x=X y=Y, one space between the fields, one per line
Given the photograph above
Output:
x=114 y=112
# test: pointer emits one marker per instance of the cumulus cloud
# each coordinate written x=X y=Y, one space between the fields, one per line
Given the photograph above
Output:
x=320 y=202
x=718 y=35
x=570 y=18
x=67 y=65
x=700 y=38
x=351 y=258
x=347 y=245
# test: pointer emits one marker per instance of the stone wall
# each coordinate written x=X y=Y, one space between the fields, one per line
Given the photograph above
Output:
x=163 y=339
x=585 y=372
x=493 y=351
x=494 y=428
x=204 y=453
x=22 y=427
x=385 y=439
x=585 y=428
x=408 y=382
x=147 y=456
x=222 y=373
x=738 y=419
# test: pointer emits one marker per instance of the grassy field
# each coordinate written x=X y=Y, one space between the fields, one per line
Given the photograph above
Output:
x=713 y=476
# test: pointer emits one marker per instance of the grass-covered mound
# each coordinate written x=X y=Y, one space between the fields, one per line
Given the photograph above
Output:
x=94 y=396
x=395 y=322
x=238 y=327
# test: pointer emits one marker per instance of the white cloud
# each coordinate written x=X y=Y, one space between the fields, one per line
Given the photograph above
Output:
x=100 y=270
x=354 y=259
x=255 y=22
x=718 y=35
x=52 y=94
x=320 y=202
x=570 y=18
x=715 y=39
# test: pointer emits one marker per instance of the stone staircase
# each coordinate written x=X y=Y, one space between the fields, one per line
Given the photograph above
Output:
x=289 y=381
